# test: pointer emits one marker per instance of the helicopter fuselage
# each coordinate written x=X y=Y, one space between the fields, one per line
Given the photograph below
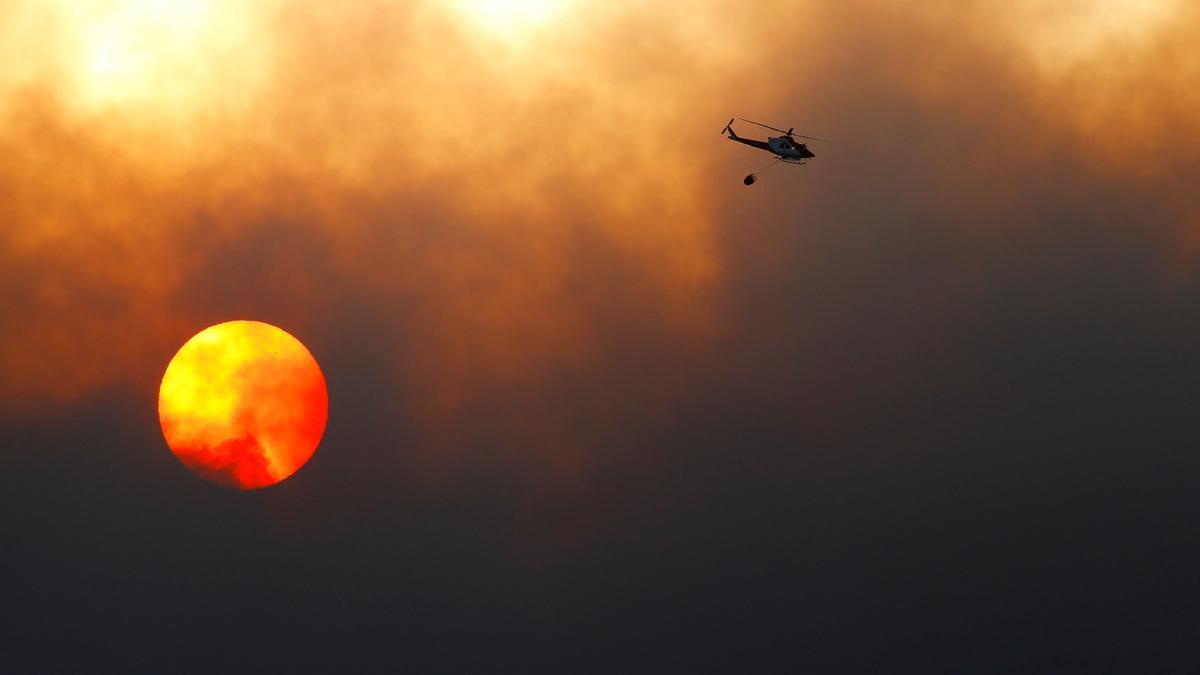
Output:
x=783 y=147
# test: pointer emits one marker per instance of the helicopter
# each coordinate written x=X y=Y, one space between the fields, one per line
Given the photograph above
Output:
x=785 y=148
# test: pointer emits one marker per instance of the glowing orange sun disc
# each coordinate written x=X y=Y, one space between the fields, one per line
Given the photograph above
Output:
x=243 y=404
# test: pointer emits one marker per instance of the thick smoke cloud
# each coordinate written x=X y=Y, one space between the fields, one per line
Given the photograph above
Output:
x=392 y=148
x=576 y=368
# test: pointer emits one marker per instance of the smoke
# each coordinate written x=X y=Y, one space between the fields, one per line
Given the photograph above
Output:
x=534 y=225
x=414 y=158
x=927 y=399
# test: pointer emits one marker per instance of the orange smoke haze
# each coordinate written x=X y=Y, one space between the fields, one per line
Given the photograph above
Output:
x=429 y=156
x=923 y=404
x=244 y=404
x=496 y=187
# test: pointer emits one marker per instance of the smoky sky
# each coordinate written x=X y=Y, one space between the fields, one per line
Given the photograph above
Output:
x=922 y=405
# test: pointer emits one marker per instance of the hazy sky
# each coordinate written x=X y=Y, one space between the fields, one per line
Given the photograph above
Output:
x=922 y=404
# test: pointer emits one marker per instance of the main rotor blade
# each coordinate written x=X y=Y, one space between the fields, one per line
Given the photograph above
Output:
x=762 y=125
x=814 y=138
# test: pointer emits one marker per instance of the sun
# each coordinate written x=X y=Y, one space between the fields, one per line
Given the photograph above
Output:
x=243 y=404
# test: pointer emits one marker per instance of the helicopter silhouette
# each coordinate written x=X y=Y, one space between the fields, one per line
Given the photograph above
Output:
x=785 y=148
